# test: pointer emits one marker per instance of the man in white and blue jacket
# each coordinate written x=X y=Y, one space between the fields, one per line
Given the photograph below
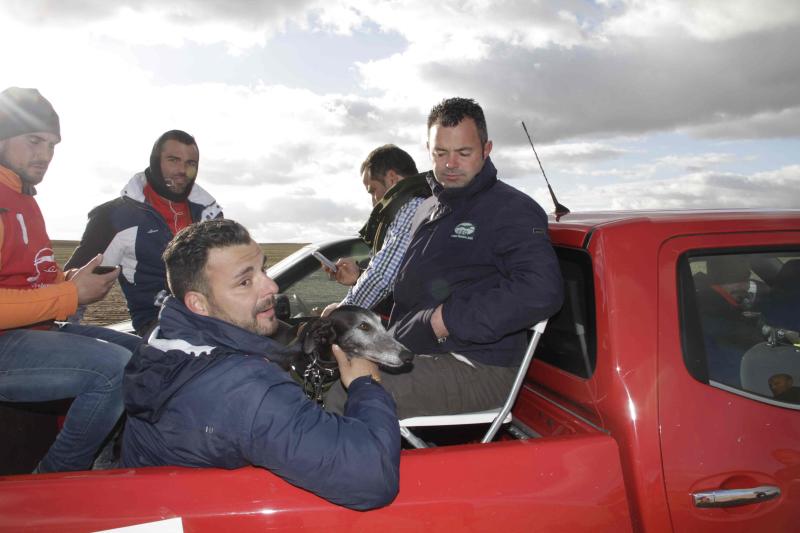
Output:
x=480 y=270
x=208 y=390
x=132 y=230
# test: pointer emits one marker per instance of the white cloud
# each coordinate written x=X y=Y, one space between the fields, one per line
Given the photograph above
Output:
x=581 y=75
x=696 y=162
x=565 y=152
x=709 y=21
x=781 y=123
x=179 y=11
x=593 y=81
x=701 y=190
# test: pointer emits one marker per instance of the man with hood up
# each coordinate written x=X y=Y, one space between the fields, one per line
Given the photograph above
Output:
x=133 y=230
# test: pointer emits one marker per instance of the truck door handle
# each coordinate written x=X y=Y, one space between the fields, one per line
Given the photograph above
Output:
x=735 y=497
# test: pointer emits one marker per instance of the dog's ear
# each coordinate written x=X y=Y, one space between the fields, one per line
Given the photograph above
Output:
x=317 y=335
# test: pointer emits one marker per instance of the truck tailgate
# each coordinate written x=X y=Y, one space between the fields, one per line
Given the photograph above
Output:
x=564 y=484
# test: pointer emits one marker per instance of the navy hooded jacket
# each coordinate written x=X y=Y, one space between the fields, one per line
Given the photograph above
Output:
x=484 y=253
x=206 y=393
x=129 y=232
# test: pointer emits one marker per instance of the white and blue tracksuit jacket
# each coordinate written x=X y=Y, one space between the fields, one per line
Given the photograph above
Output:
x=131 y=233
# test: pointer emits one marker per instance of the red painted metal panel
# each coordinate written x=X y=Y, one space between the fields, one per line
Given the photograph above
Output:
x=560 y=484
x=714 y=439
x=622 y=395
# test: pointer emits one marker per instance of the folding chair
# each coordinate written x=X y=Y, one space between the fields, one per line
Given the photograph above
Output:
x=498 y=416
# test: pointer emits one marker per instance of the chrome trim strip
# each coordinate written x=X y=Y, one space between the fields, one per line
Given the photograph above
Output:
x=570 y=411
x=752 y=396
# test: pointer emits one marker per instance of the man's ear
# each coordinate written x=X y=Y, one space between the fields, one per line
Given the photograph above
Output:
x=486 y=149
x=391 y=178
x=196 y=302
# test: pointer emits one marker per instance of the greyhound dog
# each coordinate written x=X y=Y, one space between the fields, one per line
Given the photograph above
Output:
x=358 y=332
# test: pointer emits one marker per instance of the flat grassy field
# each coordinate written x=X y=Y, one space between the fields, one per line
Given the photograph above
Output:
x=113 y=309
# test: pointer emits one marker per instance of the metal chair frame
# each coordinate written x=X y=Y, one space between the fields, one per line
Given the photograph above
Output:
x=495 y=417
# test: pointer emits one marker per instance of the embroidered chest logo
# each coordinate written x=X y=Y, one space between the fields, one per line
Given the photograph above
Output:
x=45 y=266
x=465 y=230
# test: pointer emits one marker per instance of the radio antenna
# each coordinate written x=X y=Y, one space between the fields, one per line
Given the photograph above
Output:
x=561 y=210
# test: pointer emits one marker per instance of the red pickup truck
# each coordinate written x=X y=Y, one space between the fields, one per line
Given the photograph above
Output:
x=663 y=397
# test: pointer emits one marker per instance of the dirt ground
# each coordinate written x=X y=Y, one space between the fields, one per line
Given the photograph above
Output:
x=113 y=309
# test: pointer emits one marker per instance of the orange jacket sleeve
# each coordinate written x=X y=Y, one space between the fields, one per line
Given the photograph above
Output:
x=23 y=307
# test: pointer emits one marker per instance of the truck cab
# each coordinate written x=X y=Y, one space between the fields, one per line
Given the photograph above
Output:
x=667 y=379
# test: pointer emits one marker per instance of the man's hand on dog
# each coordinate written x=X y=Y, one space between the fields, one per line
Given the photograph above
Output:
x=350 y=369
x=347 y=273
x=329 y=309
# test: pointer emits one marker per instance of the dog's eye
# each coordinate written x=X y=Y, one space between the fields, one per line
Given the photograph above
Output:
x=364 y=326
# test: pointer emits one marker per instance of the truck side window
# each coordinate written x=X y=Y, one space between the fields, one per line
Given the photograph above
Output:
x=569 y=342
x=740 y=318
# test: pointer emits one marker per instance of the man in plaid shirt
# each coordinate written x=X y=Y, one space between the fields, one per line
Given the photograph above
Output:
x=391 y=178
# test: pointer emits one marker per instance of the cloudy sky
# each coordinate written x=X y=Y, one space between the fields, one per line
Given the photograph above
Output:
x=632 y=104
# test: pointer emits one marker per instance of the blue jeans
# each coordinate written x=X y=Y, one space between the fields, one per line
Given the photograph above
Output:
x=81 y=362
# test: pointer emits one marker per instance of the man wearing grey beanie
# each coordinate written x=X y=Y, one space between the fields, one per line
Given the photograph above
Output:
x=41 y=360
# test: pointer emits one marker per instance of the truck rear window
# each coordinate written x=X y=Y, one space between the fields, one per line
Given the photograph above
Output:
x=740 y=321
x=569 y=342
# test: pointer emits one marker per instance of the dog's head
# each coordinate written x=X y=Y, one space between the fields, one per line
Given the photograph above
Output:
x=359 y=333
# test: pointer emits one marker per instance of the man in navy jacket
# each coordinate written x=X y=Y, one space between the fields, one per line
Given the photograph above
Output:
x=480 y=270
x=132 y=230
x=208 y=391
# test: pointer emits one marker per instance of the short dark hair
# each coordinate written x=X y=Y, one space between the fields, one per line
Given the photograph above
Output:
x=451 y=111
x=186 y=254
x=171 y=135
x=389 y=157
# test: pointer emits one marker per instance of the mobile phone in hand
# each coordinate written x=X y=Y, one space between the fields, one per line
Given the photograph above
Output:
x=103 y=269
x=324 y=260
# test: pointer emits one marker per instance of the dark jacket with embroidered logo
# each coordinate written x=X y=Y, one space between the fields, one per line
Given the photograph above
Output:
x=130 y=232
x=206 y=393
x=483 y=253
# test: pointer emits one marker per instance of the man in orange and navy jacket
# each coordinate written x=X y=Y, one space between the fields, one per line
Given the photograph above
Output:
x=41 y=360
